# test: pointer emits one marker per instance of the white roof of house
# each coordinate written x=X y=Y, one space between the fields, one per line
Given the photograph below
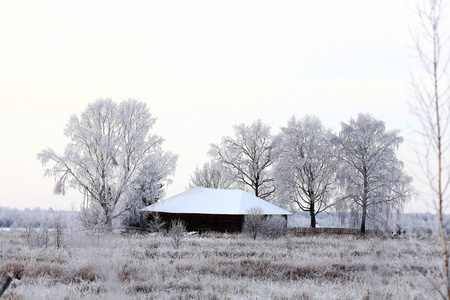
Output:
x=214 y=201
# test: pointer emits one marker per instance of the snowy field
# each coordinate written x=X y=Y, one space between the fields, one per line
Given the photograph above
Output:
x=220 y=267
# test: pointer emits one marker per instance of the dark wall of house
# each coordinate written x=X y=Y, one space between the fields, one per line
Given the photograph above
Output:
x=205 y=222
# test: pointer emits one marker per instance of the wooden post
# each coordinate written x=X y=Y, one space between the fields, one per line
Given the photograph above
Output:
x=6 y=284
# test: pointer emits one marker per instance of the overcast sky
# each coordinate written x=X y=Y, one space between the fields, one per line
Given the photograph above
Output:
x=201 y=66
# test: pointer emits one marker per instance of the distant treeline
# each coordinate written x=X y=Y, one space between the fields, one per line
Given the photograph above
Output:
x=412 y=222
x=37 y=217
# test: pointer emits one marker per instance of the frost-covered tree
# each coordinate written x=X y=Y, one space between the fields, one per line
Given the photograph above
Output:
x=110 y=151
x=248 y=157
x=148 y=188
x=305 y=171
x=371 y=173
x=431 y=105
x=210 y=176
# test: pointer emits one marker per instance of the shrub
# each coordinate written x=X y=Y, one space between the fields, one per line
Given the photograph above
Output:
x=253 y=221
x=59 y=227
x=176 y=232
x=16 y=269
x=83 y=273
x=274 y=227
x=135 y=218
x=269 y=226
x=156 y=224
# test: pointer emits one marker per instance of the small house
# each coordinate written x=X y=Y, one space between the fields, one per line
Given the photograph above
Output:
x=205 y=209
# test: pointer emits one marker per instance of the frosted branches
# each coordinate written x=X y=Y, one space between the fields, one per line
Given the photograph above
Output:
x=211 y=176
x=111 y=148
x=370 y=173
x=248 y=158
x=305 y=171
x=432 y=108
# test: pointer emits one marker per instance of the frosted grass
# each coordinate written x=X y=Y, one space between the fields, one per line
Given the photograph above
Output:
x=222 y=267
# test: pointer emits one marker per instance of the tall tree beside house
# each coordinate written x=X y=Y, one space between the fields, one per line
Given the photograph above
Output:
x=305 y=171
x=371 y=173
x=111 y=150
x=248 y=157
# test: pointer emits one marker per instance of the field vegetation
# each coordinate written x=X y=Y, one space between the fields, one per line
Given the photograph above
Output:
x=145 y=266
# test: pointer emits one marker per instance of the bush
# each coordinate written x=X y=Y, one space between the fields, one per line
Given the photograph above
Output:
x=176 y=232
x=135 y=218
x=269 y=226
x=59 y=228
x=254 y=221
x=156 y=224
x=274 y=227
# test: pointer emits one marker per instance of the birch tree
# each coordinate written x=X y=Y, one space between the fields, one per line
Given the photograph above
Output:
x=305 y=171
x=431 y=105
x=210 y=176
x=371 y=173
x=110 y=148
x=248 y=158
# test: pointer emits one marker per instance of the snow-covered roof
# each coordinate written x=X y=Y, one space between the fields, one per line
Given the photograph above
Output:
x=214 y=201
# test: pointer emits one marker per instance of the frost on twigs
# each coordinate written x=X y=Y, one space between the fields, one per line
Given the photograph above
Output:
x=371 y=176
x=305 y=170
x=113 y=159
x=92 y=217
x=211 y=175
x=248 y=158
x=156 y=223
x=256 y=223
x=253 y=221
x=275 y=226
x=60 y=224
x=176 y=233
x=430 y=91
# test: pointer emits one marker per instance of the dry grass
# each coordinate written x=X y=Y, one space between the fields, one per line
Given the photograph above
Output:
x=221 y=267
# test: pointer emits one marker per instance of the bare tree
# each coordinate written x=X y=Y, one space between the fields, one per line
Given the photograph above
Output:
x=305 y=171
x=371 y=174
x=249 y=157
x=210 y=176
x=432 y=108
x=109 y=150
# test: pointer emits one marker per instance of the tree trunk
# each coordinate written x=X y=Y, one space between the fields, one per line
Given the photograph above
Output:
x=109 y=227
x=364 y=204
x=364 y=214
x=313 y=216
x=436 y=50
x=363 y=224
